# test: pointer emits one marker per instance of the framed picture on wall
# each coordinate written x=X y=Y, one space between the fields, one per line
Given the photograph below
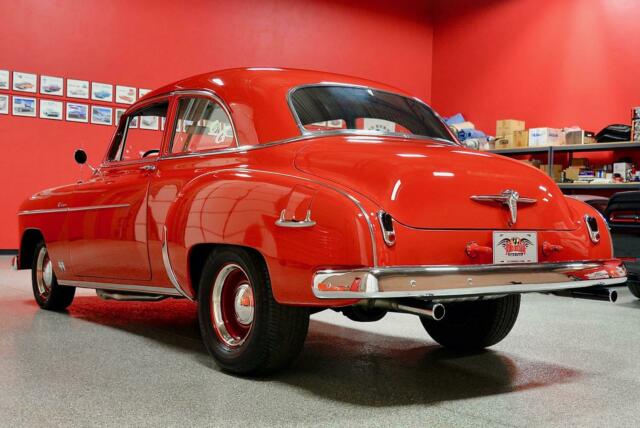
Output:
x=50 y=109
x=77 y=88
x=4 y=79
x=119 y=113
x=149 y=122
x=23 y=106
x=143 y=92
x=50 y=85
x=101 y=92
x=4 y=104
x=101 y=115
x=134 y=122
x=24 y=82
x=77 y=112
x=125 y=94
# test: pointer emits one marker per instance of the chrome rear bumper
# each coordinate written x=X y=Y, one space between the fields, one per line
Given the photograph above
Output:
x=465 y=280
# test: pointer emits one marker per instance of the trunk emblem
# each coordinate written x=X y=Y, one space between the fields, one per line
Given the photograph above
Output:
x=509 y=198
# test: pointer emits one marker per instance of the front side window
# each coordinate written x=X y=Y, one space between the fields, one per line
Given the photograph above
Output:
x=201 y=125
x=330 y=108
x=140 y=136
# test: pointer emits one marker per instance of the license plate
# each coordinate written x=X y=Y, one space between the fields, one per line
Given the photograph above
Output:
x=515 y=247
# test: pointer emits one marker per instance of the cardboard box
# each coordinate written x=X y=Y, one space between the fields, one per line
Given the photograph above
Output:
x=506 y=127
x=503 y=143
x=622 y=168
x=572 y=173
x=556 y=170
x=534 y=162
x=539 y=137
x=580 y=162
x=521 y=138
x=579 y=137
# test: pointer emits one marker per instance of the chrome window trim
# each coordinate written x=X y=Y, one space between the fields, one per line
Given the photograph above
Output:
x=356 y=202
x=169 y=269
x=304 y=131
x=206 y=93
x=122 y=287
x=72 y=209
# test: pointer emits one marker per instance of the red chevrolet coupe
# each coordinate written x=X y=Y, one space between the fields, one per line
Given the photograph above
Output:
x=266 y=194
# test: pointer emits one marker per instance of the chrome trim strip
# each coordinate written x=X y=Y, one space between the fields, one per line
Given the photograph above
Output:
x=121 y=287
x=479 y=280
x=60 y=210
x=329 y=186
x=295 y=224
x=305 y=131
x=168 y=268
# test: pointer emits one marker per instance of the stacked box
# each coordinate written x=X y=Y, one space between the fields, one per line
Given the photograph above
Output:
x=539 y=137
x=635 y=124
x=505 y=128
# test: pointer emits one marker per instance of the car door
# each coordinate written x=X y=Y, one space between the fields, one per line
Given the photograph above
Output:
x=108 y=217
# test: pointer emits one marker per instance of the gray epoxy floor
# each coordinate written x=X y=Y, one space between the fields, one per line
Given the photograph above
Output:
x=566 y=363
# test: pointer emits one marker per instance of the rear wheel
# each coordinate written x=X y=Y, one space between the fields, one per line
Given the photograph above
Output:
x=242 y=326
x=634 y=287
x=46 y=290
x=474 y=325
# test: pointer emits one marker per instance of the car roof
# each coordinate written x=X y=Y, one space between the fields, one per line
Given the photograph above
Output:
x=257 y=97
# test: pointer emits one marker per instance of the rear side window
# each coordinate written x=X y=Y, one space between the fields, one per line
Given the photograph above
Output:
x=140 y=136
x=330 y=108
x=201 y=125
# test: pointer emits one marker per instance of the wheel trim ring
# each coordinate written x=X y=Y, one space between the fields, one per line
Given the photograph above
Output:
x=229 y=280
x=44 y=273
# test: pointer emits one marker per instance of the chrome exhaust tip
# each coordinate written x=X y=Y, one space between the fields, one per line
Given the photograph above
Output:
x=602 y=294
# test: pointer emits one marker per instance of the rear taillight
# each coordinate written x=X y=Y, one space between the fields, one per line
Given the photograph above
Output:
x=624 y=217
x=386 y=224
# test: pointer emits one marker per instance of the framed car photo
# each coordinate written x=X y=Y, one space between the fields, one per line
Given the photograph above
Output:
x=23 y=106
x=50 y=109
x=50 y=85
x=119 y=113
x=4 y=79
x=101 y=115
x=4 y=104
x=101 y=92
x=143 y=92
x=77 y=112
x=24 y=82
x=125 y=94
x=77 y=88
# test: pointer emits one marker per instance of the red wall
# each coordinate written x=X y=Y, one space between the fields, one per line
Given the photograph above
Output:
x=551 y=63
x=148 y=43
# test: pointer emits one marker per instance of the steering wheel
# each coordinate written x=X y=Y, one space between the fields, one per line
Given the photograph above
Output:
x=151 y=152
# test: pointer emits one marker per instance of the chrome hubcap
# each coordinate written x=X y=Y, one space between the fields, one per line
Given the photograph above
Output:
x=243 y=304
x=44 y=273
x=232 y=305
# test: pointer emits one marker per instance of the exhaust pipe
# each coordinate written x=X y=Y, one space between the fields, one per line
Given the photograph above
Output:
x=431 y=310
x=590 y=293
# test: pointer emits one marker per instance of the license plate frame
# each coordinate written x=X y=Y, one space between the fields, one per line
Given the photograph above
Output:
x=515 y=246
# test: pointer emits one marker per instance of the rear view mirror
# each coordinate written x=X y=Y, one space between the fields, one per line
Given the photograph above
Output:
x=80 y=156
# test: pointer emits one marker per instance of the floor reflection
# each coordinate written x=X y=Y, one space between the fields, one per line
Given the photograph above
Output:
x=340 y=363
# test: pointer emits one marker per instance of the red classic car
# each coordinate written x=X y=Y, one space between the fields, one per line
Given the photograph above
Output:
x=274 y=193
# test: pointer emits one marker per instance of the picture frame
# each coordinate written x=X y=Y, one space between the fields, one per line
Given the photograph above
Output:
x=50 y=109
x=101 y=115
x=51 y=85
x=23 y=106
x=78 y=89
x=125 y=94
x=76 y=112
x=4 y=104
x=149 y=122
x=143 y=92
x=102 y=92
x=4 y=79
x=119 y=112
x=133 y=123
x=25 y=82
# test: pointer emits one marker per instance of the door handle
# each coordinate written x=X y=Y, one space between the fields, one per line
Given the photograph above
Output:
x=148 y=167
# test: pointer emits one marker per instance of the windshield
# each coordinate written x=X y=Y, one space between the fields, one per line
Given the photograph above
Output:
x=333 y=108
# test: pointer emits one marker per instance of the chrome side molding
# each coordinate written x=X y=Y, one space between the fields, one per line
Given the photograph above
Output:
x=169 y=269
x=293 y=223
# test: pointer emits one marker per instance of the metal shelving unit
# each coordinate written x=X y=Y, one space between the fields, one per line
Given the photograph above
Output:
x=597 y=147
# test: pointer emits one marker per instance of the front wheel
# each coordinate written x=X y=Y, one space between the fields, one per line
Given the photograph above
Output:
x=474 y=325
x=242 y=326
x=46 y=290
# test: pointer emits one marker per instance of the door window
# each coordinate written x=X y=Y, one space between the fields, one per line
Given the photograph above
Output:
x=140 y=136
x=201 y=125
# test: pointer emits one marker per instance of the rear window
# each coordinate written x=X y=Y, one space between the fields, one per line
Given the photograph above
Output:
x=332 y=108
